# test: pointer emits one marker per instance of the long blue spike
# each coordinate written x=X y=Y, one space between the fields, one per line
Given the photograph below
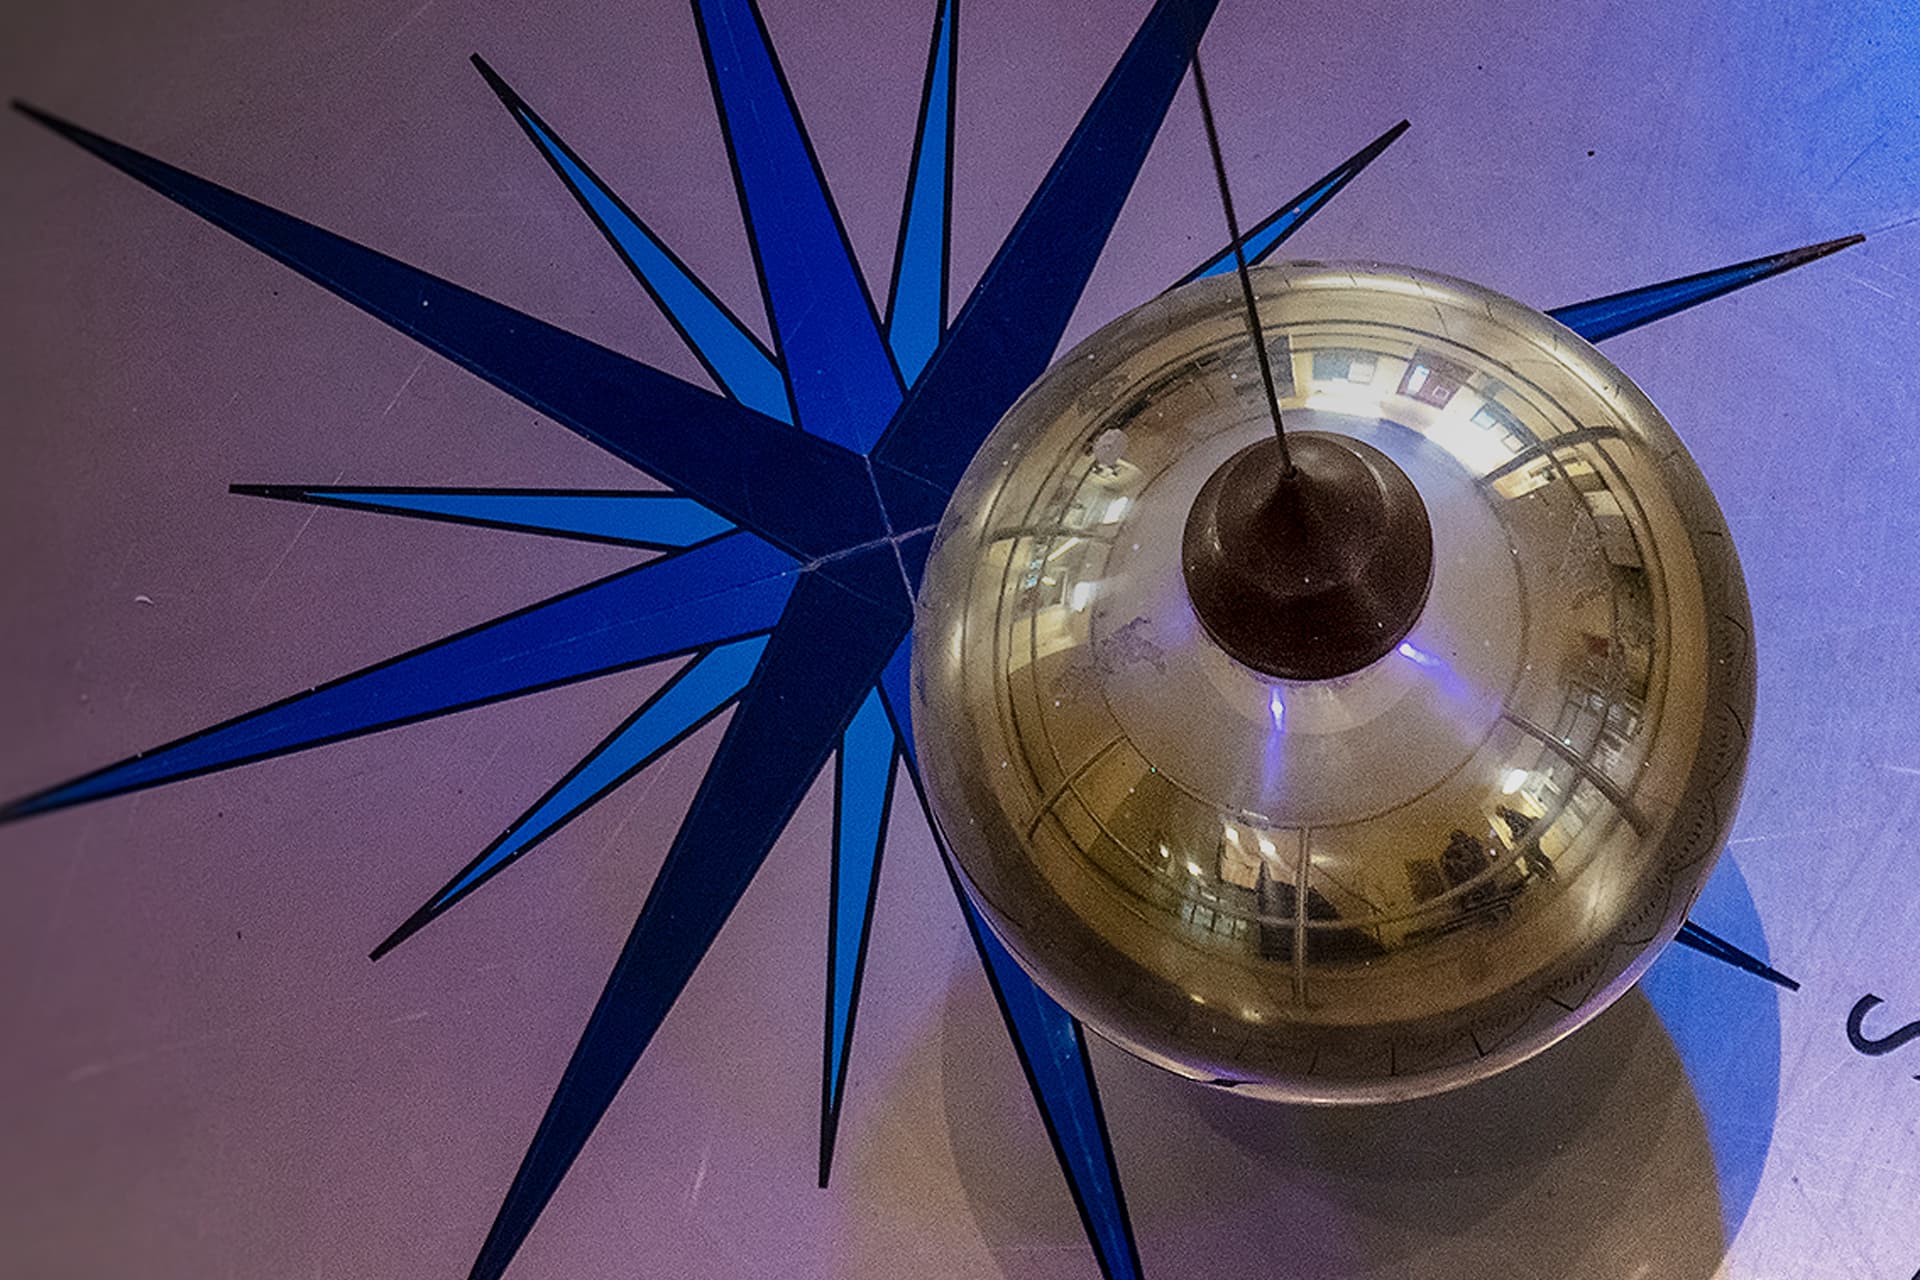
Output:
x=1053 y=1052
x=803 y=493
x=697 y=693
x=1007 y=331
x=1050 y=1045
x=895 y=686
x=917 y=302
x=729 y=351
x=1725 y=1030
x=1708 y=943
x=1272 y=231
x=817 y=670
x=1618 y=312
x=656 y=520
x=842 y=376
x=719 y=591
x=863 y=792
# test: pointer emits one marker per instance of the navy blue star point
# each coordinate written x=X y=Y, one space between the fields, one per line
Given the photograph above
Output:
x=799 y=502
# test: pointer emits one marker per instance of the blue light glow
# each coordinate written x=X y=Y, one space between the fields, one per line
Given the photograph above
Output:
x=1419 y=657
x=795 y=595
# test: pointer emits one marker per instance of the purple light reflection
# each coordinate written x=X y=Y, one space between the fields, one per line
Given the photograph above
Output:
x=1418 y=656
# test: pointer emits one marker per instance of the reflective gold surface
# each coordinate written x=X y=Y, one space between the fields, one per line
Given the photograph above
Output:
x=1368 y=887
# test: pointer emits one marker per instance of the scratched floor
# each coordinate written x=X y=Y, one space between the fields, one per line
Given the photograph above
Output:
x=202 y=1076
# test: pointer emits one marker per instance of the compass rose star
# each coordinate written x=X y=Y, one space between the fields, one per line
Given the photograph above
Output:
x=801 y=498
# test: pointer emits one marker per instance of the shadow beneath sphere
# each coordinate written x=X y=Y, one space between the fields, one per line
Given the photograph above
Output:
x=1591 y=1160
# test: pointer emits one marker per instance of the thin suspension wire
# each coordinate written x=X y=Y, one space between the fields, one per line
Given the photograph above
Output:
x=1240 y=264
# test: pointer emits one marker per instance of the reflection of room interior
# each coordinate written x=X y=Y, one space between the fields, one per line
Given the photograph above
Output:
x=1246 y=890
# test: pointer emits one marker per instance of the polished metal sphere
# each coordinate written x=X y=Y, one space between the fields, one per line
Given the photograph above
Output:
x=1385 y=882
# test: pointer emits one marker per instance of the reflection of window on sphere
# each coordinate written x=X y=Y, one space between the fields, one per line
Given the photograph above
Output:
x=1445 y=837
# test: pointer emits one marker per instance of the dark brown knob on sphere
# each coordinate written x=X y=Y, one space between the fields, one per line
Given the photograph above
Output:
x=1311 y=575
x=1483 y=823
